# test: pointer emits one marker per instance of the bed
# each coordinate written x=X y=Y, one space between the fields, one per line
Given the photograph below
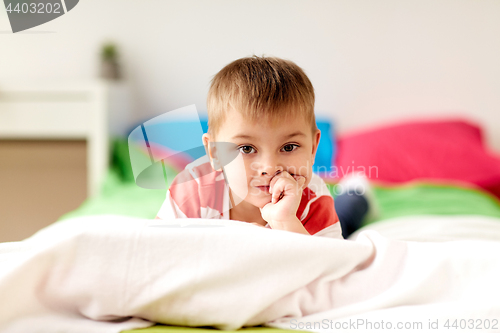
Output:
x=435 y=181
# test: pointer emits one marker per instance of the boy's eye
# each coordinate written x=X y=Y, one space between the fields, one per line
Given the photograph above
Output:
x=246 y=149
x=289 y=147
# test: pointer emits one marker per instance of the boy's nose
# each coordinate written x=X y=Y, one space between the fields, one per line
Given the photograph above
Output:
x=271 y=170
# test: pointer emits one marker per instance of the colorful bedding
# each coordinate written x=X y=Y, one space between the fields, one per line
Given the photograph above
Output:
x=120 y=195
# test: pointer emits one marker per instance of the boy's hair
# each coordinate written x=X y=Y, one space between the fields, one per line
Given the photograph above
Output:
x=260 y=88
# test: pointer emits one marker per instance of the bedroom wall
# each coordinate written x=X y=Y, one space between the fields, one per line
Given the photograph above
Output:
x=370 y=61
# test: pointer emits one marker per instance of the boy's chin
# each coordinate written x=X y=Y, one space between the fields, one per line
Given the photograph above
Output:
x=259 y=202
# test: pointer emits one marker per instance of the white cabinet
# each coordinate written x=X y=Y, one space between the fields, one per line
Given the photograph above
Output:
x=92 y=111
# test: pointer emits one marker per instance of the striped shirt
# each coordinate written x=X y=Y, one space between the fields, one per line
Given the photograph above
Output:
x=200 y=192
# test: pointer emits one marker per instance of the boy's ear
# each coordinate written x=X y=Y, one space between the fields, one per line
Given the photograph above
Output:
x=316 y=138
x=211 y=152
x=205 y=138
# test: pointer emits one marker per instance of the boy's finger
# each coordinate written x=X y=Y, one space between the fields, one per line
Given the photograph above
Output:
x=284 y=185
x=276 y=195
x=277 y=189
x=278 y=175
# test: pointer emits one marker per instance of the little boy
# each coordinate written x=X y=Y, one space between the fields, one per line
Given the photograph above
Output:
x=263 y=107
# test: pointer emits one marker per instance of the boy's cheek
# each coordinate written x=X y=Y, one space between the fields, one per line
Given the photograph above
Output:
x=236 y=177
x=307 y=173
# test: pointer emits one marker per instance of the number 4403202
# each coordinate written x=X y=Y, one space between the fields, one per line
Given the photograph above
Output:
x=472 y=324
x=38 y=8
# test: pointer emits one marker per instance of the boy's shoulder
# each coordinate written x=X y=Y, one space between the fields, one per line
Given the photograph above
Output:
x=198 y=190
x=316 y=210
x=200 y=170
x=199 y=167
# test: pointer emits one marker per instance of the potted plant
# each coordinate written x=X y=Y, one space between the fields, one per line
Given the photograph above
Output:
x=110 y=68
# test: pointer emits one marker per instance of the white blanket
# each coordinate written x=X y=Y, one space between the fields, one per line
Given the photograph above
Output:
x=79 y=274
x=437 y=228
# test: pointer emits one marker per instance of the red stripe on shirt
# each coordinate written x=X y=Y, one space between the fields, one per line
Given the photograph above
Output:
x=321 y=215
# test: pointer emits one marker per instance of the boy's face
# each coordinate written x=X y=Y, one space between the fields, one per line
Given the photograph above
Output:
x=266 y=148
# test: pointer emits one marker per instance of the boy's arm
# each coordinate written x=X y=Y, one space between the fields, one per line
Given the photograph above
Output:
x=293 y=225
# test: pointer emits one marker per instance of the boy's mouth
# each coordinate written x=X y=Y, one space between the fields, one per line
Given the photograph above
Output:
x=264 y=188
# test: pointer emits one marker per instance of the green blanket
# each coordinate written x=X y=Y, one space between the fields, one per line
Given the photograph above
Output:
x=180 y=329
x=427 y=198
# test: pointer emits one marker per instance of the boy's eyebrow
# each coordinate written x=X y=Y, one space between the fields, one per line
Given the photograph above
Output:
x=294 y=134
x=243 y=136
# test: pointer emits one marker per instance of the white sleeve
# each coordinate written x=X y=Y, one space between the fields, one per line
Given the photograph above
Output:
x=333 y=231
x=169 y=209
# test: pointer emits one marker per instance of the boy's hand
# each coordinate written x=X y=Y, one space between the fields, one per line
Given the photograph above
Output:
x=286 y=193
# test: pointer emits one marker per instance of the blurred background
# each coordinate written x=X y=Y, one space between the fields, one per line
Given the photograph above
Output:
x=371 y=62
